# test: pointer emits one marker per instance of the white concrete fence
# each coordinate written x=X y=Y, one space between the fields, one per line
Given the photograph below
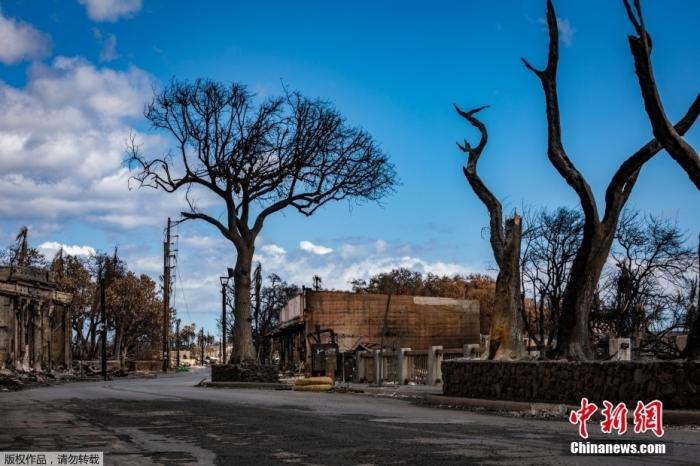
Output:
x=405 y=365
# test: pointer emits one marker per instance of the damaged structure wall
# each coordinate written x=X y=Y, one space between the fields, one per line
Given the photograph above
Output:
x=35 y=322
x=357 y=321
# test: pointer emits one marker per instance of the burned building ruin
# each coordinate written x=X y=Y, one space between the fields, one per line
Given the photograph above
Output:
x=348 y=322
x=35 y=322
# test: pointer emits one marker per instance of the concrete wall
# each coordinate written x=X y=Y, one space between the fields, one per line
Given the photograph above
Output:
x=675 y=383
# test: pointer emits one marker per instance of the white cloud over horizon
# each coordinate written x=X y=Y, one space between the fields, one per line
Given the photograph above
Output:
x=21 y=41
x=203 y=258
x=50 y=248
x=357 y=259
x=310 y=247
x=110 y=10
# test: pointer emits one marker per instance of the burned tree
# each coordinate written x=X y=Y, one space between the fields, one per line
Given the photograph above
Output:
x=257 y=159
x=506 y=332
x=648 y=289
x=598 y=233
x=550 y=244
x=670 y=137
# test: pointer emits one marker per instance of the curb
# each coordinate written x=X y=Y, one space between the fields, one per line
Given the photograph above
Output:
x=281 y=386
x=670 y=416
x=397 y=391
x=497 y=405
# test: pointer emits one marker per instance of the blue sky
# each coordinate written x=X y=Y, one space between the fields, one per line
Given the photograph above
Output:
x=75 y=75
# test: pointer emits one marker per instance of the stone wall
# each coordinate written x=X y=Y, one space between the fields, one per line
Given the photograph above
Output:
x=265 y=373
x=675 y=383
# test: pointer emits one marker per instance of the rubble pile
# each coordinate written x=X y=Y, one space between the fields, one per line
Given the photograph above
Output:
x=9 y=381
x=12 y=378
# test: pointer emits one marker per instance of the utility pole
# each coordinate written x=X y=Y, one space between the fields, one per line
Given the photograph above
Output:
x=201 y=332
x=223 y=321
x=177 y=342
x=224 y=284
x=166 y=298
x=104 y=328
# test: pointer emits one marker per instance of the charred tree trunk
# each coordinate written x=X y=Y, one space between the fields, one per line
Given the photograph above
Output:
x=572 y=335
x=243 y=349
x=506 y=332
x=579 y=295
x=670 y=137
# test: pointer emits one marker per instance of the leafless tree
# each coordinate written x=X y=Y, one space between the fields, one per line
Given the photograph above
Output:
x=551 y=241
x=645 y=292
x=267 y=300
x=506 y=331
x=285 y=152
x=272 y=298
x=598 y=233
x=670 y=137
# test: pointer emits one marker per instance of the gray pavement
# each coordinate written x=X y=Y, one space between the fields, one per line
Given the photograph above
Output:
x=168 y=420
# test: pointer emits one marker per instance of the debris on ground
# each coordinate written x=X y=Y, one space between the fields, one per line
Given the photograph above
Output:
x=507 y=413
x=341 y=389
x=12 y=378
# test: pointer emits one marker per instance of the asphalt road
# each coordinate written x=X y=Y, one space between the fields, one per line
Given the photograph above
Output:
x=168 y=420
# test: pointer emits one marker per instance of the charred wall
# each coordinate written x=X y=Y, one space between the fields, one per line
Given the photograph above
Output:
x=411 y=322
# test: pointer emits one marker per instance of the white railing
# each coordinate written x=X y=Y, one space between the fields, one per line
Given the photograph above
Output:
x=448 y=354
x=390 y=367
x=418 y=366
x=405 y=365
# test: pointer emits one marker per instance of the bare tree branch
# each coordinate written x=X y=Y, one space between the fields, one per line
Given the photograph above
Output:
x=483 y=193
x=597 y=235
x=506 y=329
x=669 y=136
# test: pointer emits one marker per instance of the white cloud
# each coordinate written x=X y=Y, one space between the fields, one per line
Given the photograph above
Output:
x=203 y=242
x=310 y=247
x=109 y=46
x=361 y=259
x=21 y=41
x=109 y=49
x=203 y=258
x=272 y=250
x=62 y=143
x=566 y=32
x=50 y=248
x=110 y=10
